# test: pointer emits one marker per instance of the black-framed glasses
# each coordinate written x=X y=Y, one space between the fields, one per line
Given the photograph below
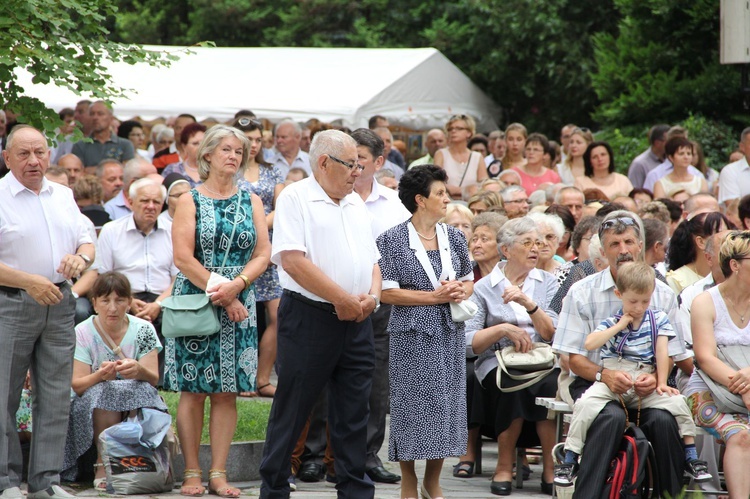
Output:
x=614 y=222
x=351 y=166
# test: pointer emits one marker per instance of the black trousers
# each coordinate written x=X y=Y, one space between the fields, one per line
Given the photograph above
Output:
x=315 y=348
x=603 y=439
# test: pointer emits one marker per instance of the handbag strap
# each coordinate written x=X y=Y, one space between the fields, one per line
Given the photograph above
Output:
x=108 y=339
x=234 y=228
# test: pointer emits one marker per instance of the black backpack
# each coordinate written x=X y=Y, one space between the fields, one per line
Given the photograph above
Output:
x=633 y=470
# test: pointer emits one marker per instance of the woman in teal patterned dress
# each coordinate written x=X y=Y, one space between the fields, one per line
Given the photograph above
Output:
x=217 y=219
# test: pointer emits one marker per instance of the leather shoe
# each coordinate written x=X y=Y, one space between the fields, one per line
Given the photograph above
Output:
x=311 y=472
x=382 y=475
x=500 y=488
x=547 y=488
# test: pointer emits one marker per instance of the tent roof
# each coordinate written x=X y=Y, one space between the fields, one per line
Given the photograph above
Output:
x=416 y=88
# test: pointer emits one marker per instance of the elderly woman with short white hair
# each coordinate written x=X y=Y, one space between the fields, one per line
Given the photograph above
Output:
x=551 y=229
x=514 y=310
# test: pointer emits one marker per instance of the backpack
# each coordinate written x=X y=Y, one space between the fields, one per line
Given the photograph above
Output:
x=633 y=469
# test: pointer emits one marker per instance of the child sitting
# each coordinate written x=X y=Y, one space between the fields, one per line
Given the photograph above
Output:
x=634 y=341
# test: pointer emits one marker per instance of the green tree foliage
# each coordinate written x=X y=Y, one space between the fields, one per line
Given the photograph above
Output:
x=533 y=58
x=663 y=64
x=63 y=42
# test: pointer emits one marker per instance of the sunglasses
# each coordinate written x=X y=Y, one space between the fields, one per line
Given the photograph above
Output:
x=617 y=222
x=248 y=121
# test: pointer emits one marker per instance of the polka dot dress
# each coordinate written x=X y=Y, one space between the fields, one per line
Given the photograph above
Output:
x=427 y=356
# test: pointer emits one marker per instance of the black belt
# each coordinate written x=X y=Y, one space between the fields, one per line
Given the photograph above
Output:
x=14 y=291
x=313 y=303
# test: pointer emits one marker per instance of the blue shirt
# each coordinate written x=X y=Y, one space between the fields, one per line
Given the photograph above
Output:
x=638 y=344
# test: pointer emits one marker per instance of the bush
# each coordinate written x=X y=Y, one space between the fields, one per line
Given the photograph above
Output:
x=717 y=139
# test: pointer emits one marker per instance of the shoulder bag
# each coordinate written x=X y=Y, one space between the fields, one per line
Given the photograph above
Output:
x=736 y=357
x=195 y=315
x=517 y=370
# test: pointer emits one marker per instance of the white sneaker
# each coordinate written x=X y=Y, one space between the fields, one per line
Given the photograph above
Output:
x=12 y=493
x=53 y=492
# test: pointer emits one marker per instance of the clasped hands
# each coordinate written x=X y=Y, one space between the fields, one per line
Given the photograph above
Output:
x=127 y=368
x=645 y=384
x=225 y=295
x=355 y=307
x=450 y=291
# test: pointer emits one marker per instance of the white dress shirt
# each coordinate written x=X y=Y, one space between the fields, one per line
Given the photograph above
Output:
x=336 y=238
x=734 y=181
x=146 y=260
x=36 y=231
x=302 y=160
x=386 y=208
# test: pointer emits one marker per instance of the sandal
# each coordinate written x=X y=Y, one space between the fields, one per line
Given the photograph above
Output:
x=226 y=491
x=269 y=393
x=464 y=469
x=100 y=484
x=198 y=490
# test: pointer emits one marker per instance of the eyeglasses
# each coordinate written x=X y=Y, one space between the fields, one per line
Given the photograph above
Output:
x=529 y=243
x=348 y=165
x=610 y=224
x=248 y=121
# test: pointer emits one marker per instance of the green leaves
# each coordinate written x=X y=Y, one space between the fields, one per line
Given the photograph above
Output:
x=63 y=42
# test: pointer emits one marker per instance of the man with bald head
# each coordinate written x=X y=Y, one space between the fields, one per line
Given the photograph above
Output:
x=135 y=169
x=73 y=165
x=105 y=143
x=435 y=140
x=43 y=244
x=288 y=135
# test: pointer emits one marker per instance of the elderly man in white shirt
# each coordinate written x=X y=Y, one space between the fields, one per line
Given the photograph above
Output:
x=141 y=249
x=287 y=136
x=328 y=267
x=734 y=179
x=43 y=244
x=587 y=304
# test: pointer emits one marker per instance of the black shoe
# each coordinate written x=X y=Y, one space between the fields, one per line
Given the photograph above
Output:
x=382 y=475
x=500 y=488
x=565 y=474
x=698 y=470
x=331 y=478
x=311 y=472
x=547 y=488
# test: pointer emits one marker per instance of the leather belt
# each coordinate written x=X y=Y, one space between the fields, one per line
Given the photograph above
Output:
x=14 y=291
x=328 y=307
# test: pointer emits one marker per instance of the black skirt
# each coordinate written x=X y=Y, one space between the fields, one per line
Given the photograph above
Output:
x=501 y=409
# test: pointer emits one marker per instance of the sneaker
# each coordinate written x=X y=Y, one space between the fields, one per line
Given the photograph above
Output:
x=12 y=493
x=565 y=473
x=698 y=470
x=292 y=483
x=53 y=492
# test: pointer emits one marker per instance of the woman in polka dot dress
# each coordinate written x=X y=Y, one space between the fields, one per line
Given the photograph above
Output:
x=425 y=266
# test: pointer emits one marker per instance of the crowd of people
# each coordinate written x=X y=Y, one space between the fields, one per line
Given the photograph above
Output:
x=373 y=285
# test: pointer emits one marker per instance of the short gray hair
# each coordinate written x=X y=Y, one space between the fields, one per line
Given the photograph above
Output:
x=490 y=219
x=331 y=142
x=18 y=128
x=552 y=221
x=211 y=141
x=620 y=228
x=595 y=249
x=566 y=189
x=132 y=169
x=143 y=182
x=513 y=229
x=507 y=192
x=287 y=121
x=164 y=133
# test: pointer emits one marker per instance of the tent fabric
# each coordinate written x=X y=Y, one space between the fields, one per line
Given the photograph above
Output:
x=415 y=88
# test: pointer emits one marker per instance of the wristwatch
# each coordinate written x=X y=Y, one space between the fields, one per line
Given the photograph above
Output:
x=377 y=303
x=598 y=376
x=85 y=258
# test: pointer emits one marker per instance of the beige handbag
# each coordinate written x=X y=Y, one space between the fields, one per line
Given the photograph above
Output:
x=518 y=370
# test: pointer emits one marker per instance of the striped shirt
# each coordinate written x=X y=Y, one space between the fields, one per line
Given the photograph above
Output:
x=638 y=344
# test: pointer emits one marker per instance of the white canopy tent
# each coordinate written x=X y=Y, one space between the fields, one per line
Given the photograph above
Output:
x=414 y=88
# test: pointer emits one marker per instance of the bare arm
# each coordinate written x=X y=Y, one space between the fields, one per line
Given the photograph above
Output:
x=663 y=367
x=702 y=317
x=83 y=285
x=446 y=293
x=183 y=243
x=145 y=369
x=597 y=339
x=542 y=322
x=658 y=190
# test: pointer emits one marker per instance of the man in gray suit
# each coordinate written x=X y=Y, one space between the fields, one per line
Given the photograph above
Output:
x=43 y=244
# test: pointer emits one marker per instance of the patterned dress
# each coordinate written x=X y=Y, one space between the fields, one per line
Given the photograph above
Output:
x=228 y=360
x=117 y=395
x=427 y=360
x=267 y=286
